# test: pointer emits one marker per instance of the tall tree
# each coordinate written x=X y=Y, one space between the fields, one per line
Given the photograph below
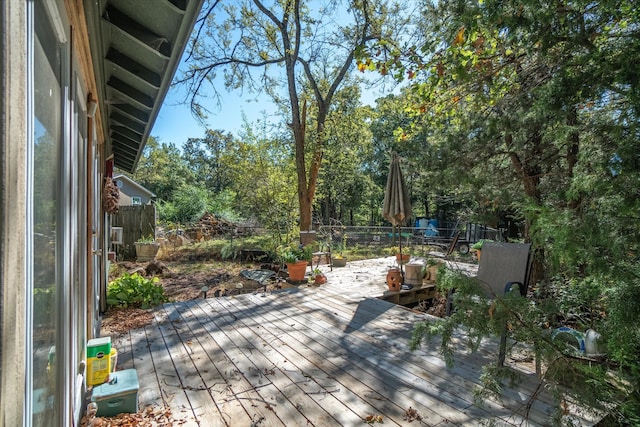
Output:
x=314 y=42
x=162 y=169
x=261 y=172
x=204 y=156
x=344 y=184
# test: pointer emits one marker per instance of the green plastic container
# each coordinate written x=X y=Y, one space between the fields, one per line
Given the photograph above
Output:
x=119 y=395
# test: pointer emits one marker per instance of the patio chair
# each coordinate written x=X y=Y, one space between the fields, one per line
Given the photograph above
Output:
x=324 y=251
x=502 y=267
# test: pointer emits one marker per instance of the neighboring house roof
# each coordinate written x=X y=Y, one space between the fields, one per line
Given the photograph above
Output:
x=133 y=184
x=136 y=48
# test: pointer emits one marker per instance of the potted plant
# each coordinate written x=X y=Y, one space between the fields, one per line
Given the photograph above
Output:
x=146 y=248
x=296 y=259
x=318 y=276
x=339 y=259
x=477 y=247
x=401 y=258
x=432 y=269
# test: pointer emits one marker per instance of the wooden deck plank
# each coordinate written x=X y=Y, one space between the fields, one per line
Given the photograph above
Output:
x=324 y=356
x=466 y=371
x=254 y=388
x=337 y=369
x=402 y=320
x=399 y=347
x=386 y=375
x=311 y=368
x=149 y=390
x=514 y=398
x=168 y=378
x=214 y=366
x=290 y=381
x=184 y=350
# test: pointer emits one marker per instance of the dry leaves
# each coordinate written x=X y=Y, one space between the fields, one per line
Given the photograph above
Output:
x=120 y=320
x=411 y=415
x=152 y=416
x=370 y=419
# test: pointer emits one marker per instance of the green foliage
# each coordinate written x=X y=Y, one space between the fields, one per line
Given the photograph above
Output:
x=230 y=250
x=262 y=179
x=345 y=185
x=188 y=204
x=146 y=239
x=292 y=37
x=134 y=289
x=537 y=109
x=205 y=157
x=580 y=304
x=467 y=298
x=162 y=169
x=222 y=205
x=294 y=253
x=478 y=245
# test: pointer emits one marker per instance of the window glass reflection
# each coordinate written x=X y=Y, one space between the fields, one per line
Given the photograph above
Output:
x=47 y=144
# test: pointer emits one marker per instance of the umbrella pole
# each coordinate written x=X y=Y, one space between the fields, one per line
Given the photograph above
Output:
x=400 y=247
x=393 y=235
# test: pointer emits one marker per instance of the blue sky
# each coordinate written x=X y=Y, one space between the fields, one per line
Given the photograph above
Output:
x=175 y=124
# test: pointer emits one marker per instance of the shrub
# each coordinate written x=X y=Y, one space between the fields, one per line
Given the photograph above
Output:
x=133 y=289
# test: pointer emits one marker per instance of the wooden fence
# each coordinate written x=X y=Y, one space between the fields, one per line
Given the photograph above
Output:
x=137 y=221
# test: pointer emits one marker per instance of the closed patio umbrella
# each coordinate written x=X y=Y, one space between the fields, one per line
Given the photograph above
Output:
x=396 y=206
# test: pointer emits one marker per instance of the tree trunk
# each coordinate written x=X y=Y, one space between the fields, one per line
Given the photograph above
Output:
x=530 y=175
x=572 y=154
x=307 y=184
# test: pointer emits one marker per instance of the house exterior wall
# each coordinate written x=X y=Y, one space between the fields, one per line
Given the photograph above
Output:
x=53 y=230
x=34 y=392
x=128 y=190
x=13 y=66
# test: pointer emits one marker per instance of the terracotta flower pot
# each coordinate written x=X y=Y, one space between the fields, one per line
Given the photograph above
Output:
x=297 y=270
x=403 y=258
x=320 y=279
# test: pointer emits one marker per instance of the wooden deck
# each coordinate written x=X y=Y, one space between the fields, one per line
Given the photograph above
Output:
x=326 y=356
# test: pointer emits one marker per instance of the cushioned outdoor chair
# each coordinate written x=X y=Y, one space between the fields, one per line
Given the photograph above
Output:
x=502 y=267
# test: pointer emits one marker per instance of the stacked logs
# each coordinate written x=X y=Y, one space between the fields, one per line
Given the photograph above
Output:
x=209 y=226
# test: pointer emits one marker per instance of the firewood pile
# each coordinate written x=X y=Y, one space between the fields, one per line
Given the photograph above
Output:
x=208 y=226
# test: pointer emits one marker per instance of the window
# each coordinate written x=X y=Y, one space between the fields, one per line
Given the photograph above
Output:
x=136 y=200
x=46 y=152
x=56 y=223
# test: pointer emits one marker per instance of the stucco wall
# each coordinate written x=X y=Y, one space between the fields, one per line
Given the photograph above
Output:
x=13 y=131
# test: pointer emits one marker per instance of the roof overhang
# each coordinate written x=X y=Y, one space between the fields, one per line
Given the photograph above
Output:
x=136 y=47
